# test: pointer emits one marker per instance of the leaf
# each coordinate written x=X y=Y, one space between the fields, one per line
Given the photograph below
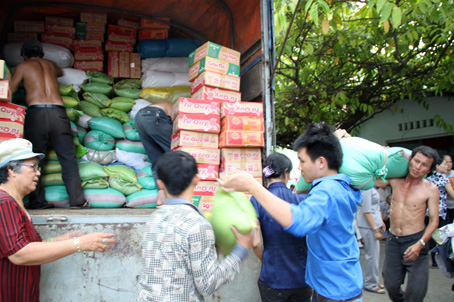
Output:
x=380 y=4
x=336 y=60
x=386 y=12
x=325 y=26
x=324 y=6
x=386 y=26
x=314 y=13
x=309 y=49
x=396 y=17
x=286 y=121
x=308 y=5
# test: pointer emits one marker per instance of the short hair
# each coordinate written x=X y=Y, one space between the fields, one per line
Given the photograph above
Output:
x=176 y=170
x=429 y=152
x=32 y=48
x=319 y=140
x=280 y=164
x=15 y=165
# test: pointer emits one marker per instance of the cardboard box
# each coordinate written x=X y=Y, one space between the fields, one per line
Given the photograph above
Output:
x=150 y=34
x=89 y=65
x=128 y=23
x=21 y=37
x=197 y=122
x=241 y=139
x=9 y=129
x=242 y=123
x=90 y=35
x=194 y=139
x=252 y=109
x=12 y=112
x=212 y=64
x=134 y=66
x=187 y=105
x=215 y=51
x=204 y=203
x=93 y=17
x=123 y=64
x=58 y=30
x=5 y=91
x=253 y=168
x=57 y=40
x=203 y=155
x=4 y=71
x=214 y=79
x=241 y=155
x=208 y=171
x=206 y=188
x=29 y=26
x=212 y=93
x=83 y=27
x=117 y=37
x=89 y=55
x=87 y=45
x=124 y=30
x=59 y=21
x=149 y=23
x=118 y=46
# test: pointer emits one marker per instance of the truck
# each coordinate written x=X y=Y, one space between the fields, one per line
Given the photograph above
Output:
x=246 y=26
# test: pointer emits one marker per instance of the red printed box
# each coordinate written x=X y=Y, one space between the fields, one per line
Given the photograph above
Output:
x=216 y=51
x=128 y=23
x=29 y=26
x=117 y=37
x=87 y=44
x=241 y=139
x=214 y=79
x=206 y=188
x=187 y=105
x=12 y=112
x=255 y=169
x=203 y=155
x=90 y=35
x=5 y=91
x=88 y=55
x=194 y=139
x=204 y=203
x=21 y=37
x=89 y=65
x=211 y=93
x=212 y=64
x=252 y=109
x=4 y=71
x=242 y=123
x=123 y=64
x=197 y=122
x=241 y=155
x=9 y=129
x=148 y=23
x=124 y=30
x=57 y=40
x=153 y=34
x=118 y=46
x=58 y=30
x=207 y=171
x=93 y=17
x=59 y=21
x=134 y=66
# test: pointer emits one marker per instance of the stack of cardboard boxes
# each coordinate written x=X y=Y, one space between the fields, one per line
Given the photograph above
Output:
x=152 y=29
x=24 y=30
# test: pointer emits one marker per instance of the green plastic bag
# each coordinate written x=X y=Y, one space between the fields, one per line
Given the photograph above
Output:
x=51 y=167
x=91 y=170
x=81 y=132
x=146 y=179
x=97 y=87
x=65 y=89
x=108 y=125
x=90 y=109
x=96 y=183
x=122 y=103
x=99 y=77
x=398 y=161
x=69 y=102
x=231 y=209
x=130 y=146
x=302 y=185
x=123 y=171
x=53 y=179
x=104 y=198
x=57 y=195
x=142 y=199
x=98 y=99
x=124 y=186
x=128 y=83
x=129 y=128
x=119 y=115
x=99 y=140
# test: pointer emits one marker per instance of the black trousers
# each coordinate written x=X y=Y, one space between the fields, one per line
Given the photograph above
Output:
x=51 y=124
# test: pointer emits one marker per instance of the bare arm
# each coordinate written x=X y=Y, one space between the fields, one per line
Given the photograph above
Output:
x=373 y=225
x=58 y=70
x=449 y=189
x=257 y=243
x=17 y=78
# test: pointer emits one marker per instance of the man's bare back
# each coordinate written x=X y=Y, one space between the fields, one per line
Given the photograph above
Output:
x=40 y=81
x=166 y=106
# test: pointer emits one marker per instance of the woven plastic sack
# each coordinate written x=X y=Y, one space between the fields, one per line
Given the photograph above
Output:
x=142 y=199
x=363 y=162
x=169 y=64
x=91 y=170
x=133 y=93
x=165 y=94
x=124 y=186
x=131 y=146
x=122 y=103
x=104 y=198
x=154 y=78
x=57 y=195
x=99 y=77
x=83 y=121
x=51 y=155
x=107 y=125
x=52 y=179
x=140 y=103
x=398 y=161
x=100 y=157
x=96 y=183
x=130 y=131
x=98 y=99
x=171 y=47
x=58 y=54
x=90 y=109
x=99 y=140
x=75 y=77
x=97 y=87
x=132 y=159
x=51 y=167
x=119 y=115
x=81 y=132
x=146 y=179
x=123 y=171
x=302 y=185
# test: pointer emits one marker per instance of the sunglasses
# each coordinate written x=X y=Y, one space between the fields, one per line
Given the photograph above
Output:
x=35 y=166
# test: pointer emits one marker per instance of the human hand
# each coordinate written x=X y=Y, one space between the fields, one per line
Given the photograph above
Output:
x=379 y=236
x=383 y=228
x=244 y=240
x=96 y=242
x=340 y=133
x=412 y=253
x=238 y=181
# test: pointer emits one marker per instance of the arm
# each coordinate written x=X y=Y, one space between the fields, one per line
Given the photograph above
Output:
x=370 y=220
x=58 y=70
x=17 y=78
x=449 y=189
x=257 y=243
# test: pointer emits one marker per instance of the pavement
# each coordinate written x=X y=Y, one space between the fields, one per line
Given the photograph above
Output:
x=439 y=286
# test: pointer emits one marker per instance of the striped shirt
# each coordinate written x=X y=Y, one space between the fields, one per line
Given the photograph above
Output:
x=179 y=257
x=19 y=283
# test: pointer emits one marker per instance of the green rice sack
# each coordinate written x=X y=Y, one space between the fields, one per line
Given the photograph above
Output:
x=123 y=171
x=65 y=89
x=52 y=179
x=107 y=125
x=124 y=186
x=51 y=155
x=51 y=167
x=99 y=140
x=99 y=77
x=119 y=115
x=57 y=195
x=91 y=170
x=97 y=87
x=95 y=183
x=398 y=161
x=90 y=109
x=101 y=157
x=129 y=128
x=104 y=198
x=98 y=99
x=146 y=179
x=131 y=146
x=142 y=199
x=122 y=103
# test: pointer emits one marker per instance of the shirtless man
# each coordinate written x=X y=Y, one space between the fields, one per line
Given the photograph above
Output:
x=406 y=250
x=154 y=125
x=46 y=120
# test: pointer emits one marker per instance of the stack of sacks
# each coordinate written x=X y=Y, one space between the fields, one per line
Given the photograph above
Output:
x=89 y=55
x=59 y=31
x=54 y=187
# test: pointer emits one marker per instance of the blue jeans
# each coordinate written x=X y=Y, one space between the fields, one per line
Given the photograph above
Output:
x=269 y=294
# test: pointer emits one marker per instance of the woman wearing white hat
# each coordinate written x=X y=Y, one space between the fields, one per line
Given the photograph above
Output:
x=22 y=250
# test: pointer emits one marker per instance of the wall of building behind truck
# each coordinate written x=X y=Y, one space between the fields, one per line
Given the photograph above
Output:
x=113 y=275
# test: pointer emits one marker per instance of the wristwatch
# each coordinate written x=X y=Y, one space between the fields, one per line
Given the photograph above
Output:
x=422 y=242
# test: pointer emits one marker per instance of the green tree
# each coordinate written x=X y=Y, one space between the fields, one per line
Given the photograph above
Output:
x=345 y=61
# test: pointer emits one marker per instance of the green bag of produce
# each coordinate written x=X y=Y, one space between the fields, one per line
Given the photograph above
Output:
x=119 y=115
x=231 y=209
x=146 y=179
x=108 y=125
x=51 y=155
x=99 y=77
x=122 y=103
x=398 y=161
x=90 y=109
x=124 y=186
x=90 y=170
x=130 y=146
x=165 y=94
x=96 y=183
x=81 y=132
x=104 y=198
x=69 y=102
x=97 y=87
x=101 y=157
x=142 y=199
x=53 y=179
x=302 y=185
x=57 y=195
x=73 y=114
x=130 y=131
x=98 y=99
x=80 y=150
x=99 y=140
x=123 y=171
x=128 y=83
x=51 y=167
x=65 y=89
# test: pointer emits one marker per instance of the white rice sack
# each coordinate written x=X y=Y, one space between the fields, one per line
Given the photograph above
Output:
x=100 y=157
x=76 y=77
x=140 y=103
x=169 y=64
x=60 y=55
x=152 y=79
x=132 y=159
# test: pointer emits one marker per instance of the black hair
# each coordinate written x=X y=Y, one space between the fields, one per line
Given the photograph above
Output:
x=176 y=170
x=280 y=164
x=429 y=152
x=16 y=166
x=319 y=140
x=32 y=48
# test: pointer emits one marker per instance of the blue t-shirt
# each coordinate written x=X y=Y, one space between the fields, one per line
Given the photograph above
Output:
x=326 y=217
x=284 y=255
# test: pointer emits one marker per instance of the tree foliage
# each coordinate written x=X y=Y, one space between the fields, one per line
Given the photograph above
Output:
x=345 y=61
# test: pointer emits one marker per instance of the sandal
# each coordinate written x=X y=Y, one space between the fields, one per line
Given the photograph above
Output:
x=377 y=290
x=85 y=205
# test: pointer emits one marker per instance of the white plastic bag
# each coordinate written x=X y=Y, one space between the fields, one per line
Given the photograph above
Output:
x=60 y=55
x=76 y=77
x=168 y=64
x=153 y=79
x=140 y=103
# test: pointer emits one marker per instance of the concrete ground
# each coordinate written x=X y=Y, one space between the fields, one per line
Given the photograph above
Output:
x=439 y=286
